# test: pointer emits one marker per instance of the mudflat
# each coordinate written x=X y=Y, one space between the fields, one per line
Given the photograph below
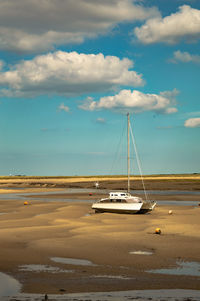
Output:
x=120 y=251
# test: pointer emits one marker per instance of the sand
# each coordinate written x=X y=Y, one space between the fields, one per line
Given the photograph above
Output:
x=39 y=231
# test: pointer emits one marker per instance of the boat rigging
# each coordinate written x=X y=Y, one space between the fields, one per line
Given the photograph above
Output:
x=124 y=202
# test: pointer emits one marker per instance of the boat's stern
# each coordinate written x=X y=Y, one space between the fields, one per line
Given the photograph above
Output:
x=147 y=206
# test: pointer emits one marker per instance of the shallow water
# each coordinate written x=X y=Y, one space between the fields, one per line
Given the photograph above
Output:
x=42 y=268
x=168 y=192
x=112 y=277
x=183 y=268
x=72 y=261
x=143 y=295
x=178 y=203
x=24 y=196
x=12 y=188
x=140 y=253
x=103 y=191
x=8 y=285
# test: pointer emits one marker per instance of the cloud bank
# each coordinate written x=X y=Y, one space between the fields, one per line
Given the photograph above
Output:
x=192 y=123
x=134 y=101
x=185 y=57
x=185 y=24
x=38 y=25
x=67 y=74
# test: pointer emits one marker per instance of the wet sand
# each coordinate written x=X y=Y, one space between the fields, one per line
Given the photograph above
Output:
x=35 y=233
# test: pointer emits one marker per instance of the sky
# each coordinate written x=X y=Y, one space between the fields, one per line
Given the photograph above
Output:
x=70 y=71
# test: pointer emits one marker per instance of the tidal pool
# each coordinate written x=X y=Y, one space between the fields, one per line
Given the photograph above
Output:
x=42 y=268
x=140 y=253
x=8 y=285
x=112 y=277
x=73 y=261
x=63 y=198
x=183 y=268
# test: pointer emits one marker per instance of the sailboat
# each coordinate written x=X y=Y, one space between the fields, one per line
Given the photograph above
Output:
x=122 y=201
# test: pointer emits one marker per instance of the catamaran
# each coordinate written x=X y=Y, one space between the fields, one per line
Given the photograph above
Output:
x=124 y=202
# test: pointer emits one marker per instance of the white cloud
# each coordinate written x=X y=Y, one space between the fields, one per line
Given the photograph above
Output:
x=100 y=120
x=136 y=101
x=35 y=25
x=67 y=73
x=192 y=122
x=185 y=24
x=185 y=57
x=171 y=110
x=64 y=108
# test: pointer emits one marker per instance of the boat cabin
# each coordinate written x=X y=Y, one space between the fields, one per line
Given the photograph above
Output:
x=119 y=195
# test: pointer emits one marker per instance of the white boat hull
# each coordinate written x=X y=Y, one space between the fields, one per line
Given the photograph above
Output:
x=117 y=207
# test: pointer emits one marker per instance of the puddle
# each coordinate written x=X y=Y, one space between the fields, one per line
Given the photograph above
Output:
x=88 y=214
x=73 y=261
x=183 y=268
x=140 y=253
x=112 y=277
x=8 y=285
x=42 y=268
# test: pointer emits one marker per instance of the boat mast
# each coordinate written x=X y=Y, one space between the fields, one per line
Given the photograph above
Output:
x=128 y=150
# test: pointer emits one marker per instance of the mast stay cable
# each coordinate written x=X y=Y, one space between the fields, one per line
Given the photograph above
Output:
x=118 y=151
x=138 y=163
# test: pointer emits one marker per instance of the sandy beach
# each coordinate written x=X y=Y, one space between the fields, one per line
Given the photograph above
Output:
x=116 y=252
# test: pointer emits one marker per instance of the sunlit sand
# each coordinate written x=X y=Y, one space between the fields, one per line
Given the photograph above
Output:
x=42 y=230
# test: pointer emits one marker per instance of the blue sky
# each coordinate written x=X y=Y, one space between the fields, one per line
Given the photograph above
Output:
x=71 y=70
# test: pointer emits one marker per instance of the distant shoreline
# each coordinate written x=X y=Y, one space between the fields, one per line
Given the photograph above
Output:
x=156 y=182
x=194 y=176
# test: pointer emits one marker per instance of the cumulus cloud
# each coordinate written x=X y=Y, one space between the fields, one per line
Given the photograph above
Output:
x=185 y=57
x=134 y=101
x=192 y=123
x=64 y=108
x=185 y=24
x=35 y=25
x=67 y=74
